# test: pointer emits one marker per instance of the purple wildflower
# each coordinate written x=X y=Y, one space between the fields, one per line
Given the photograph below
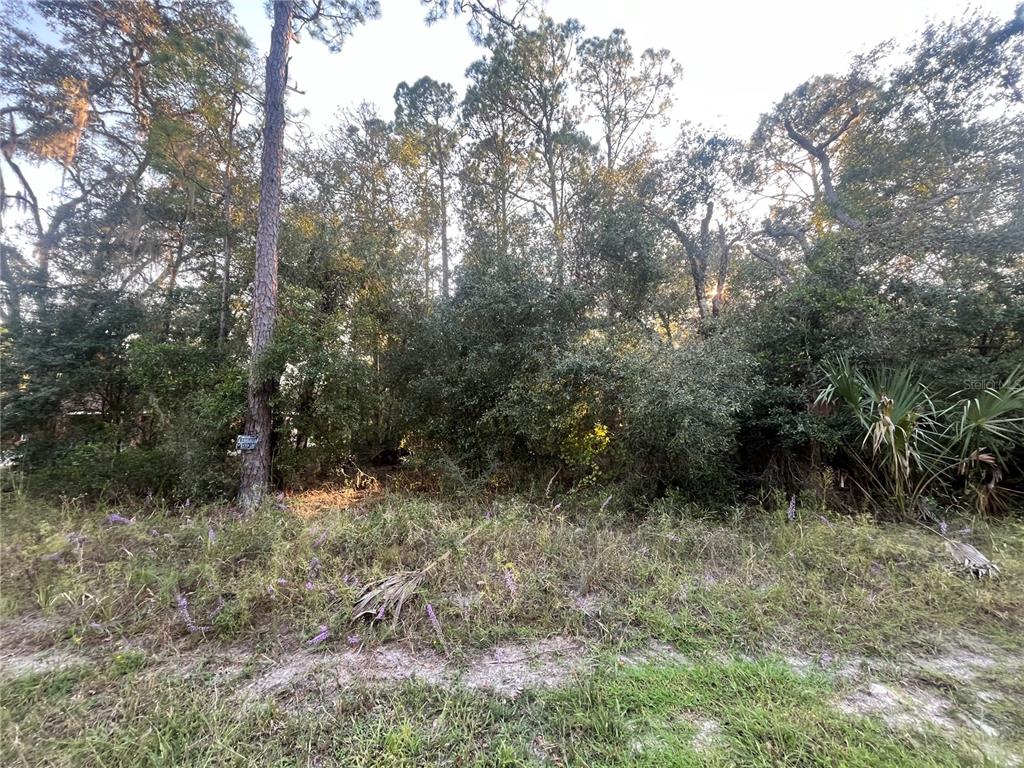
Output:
x=433 y=619
x=488 y=513
x=183 y=610
x=943 y=527
x=282 y=582
x=186 y=617
x=353 y=640
x=116 y=519
x=825 y=521
x=211 y=535
x=791 y=510
x=510 y=581
x=319 y=637
x=380 y=613
x=314 y=571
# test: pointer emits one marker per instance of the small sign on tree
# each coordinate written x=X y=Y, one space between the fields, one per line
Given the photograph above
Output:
x=246 y=442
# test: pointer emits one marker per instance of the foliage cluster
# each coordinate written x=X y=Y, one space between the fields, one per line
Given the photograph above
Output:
x=517 y=281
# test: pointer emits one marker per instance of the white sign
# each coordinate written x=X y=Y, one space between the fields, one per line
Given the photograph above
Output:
x=246 y=442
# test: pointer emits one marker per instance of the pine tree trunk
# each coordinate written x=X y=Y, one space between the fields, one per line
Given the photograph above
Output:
x=172 y=280
x=444 y=237
x=258 y=418
x=556 y=213
x=11 y=317
x=225 y=284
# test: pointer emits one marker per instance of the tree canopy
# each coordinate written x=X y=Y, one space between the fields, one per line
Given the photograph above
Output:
x=540 y=275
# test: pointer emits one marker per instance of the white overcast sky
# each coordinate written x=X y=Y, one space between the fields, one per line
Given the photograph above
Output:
x=738 y=56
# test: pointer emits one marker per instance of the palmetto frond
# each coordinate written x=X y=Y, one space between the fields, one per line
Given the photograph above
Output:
x=843 y=382
x=913 y=442
x=991 y=420
x=894 y=409
x=971 y=560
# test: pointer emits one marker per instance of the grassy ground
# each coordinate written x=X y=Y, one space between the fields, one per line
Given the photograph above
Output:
x=784 y=639
x=760 y=713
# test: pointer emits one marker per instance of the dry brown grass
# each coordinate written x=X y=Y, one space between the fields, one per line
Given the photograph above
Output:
x=312 y=503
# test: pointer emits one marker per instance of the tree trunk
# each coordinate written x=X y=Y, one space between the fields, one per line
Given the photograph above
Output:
x=556 y=218
x=700 y=288
x=172 y=278
x=426 y=270
x=724 y=259
x=444 y=236
x=258 y=418
x=11 y=316
x=698 y=254
x=225 y=272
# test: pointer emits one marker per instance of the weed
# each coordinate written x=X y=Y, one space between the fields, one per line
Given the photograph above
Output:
x=683 y=576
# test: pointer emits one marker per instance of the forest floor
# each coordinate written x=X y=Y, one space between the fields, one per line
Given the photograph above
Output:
x=568 y=632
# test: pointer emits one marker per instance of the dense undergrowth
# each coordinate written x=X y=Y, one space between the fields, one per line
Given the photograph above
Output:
x=669 y=325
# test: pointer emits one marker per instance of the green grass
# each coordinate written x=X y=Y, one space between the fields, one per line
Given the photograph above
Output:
x=716 y=586
x=695 y=580
x=763 y=714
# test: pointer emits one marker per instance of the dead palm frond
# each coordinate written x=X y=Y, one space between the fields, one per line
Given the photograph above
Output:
x=971 y=560
x=387 y=595
x=966 y=556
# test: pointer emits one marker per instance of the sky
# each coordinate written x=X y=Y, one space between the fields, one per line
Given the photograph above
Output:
x=738 y=56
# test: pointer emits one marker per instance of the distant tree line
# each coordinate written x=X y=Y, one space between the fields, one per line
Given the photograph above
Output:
x=516 y=281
